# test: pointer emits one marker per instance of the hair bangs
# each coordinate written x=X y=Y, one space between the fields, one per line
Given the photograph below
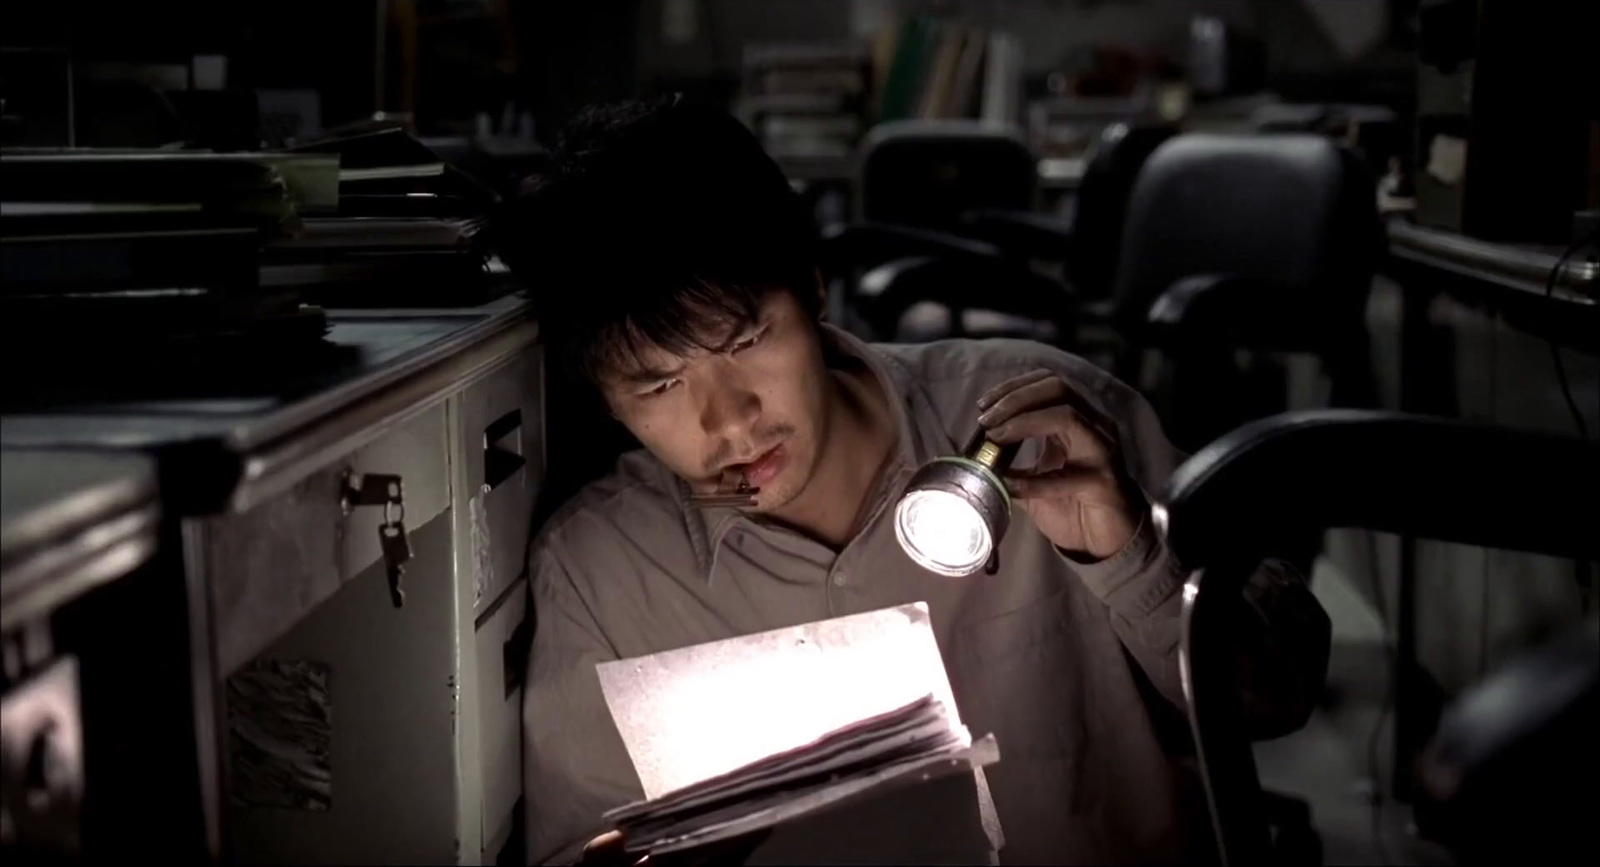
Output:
x=697 y=318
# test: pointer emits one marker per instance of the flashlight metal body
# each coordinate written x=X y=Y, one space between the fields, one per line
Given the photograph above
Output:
x=973 y=477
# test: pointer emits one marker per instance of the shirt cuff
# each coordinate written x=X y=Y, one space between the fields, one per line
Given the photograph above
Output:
x=1137 y=579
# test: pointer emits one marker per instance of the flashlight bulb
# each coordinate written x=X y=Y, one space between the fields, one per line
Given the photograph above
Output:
x=943 y=532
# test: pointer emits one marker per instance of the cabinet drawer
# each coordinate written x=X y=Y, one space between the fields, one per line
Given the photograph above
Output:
x=271 y=565
x=503 y=455
x=502 y=640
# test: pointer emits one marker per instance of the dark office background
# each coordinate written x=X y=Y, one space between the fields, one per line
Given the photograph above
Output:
x=446 y=60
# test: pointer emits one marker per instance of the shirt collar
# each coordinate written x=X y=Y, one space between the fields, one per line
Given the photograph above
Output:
x=921 y=438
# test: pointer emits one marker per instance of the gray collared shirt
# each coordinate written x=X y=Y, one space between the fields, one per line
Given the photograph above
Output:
x=1073 y=667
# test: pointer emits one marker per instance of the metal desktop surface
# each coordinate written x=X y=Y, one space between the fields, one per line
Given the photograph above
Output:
x=363 y=352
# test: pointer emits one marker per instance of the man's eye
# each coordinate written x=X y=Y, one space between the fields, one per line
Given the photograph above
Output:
x=750 y=341
x=661 y=389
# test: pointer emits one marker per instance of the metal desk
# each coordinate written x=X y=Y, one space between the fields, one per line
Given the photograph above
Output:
x=355 y=730
x=95 y=624
x=1517 y=267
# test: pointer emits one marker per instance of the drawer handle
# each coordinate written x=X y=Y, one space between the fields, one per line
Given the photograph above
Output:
x=514 y=654
x=502 y=450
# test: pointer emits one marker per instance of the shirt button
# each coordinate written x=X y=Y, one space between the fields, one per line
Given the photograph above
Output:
x=839 y=579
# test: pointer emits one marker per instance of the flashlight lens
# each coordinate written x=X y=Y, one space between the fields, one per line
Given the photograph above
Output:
x=942 y=532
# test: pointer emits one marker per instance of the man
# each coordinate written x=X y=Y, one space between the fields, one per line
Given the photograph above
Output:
x=676 y=275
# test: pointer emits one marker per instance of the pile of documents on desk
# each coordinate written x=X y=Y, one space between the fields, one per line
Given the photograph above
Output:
x=744 y=734
x=177 y=240
x=153 y=245
x=166 y=263
x=407 y=229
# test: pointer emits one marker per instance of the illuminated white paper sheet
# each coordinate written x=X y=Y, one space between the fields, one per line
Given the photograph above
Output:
x=694 y=713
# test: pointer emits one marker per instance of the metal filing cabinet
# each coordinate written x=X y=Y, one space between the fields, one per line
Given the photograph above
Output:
x=358 y=731
x=370 y=733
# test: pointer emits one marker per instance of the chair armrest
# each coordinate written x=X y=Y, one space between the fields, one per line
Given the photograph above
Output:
x=1437 y=478
x=846 y=246
x=1023 y=233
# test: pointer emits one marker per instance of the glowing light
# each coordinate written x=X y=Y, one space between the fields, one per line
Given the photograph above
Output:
x=942 y=532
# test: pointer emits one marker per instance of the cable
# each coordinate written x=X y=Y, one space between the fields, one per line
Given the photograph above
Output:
x=1381 y=603
x=1555 y=349
x=1581 y=567
x=1483 y=619
x=1494 y=405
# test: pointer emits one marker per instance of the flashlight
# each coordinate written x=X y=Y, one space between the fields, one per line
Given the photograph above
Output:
x=956 y=509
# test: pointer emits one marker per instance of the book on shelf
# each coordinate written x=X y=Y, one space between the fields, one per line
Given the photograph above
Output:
x=1002 y=83
x=932 y=69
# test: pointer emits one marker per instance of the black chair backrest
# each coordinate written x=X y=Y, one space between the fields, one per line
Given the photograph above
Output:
x=1101 y=207
x=928 y=173
x=1225 y=509
x=1291 y=209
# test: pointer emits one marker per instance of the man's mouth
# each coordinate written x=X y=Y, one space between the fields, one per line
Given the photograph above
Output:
x=764 y=467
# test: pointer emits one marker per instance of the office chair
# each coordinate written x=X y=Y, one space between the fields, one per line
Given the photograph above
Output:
x=1087 y=237
x=1237 y=500
x=1518 y=751
x=1265 y=243
x=917 y=179
x=927 y=174
x=998 y=245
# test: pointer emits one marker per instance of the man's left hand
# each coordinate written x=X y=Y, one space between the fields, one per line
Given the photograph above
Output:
x=1074 y=494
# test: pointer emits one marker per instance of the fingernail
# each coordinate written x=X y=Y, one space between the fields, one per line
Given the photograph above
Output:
x=983 y=402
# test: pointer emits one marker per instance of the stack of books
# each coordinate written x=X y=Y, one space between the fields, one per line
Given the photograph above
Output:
x=141 y=245
x=129 y=267
x=407 y=229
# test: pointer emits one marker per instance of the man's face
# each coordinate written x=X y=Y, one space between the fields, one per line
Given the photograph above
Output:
x=758 y=406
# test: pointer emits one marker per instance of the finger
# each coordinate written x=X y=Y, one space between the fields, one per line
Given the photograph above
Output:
x=1053 y=456
x=1064 y=425
x=608 y=840
x=1055 y=484
x=1041 y=392
x=1010 y=385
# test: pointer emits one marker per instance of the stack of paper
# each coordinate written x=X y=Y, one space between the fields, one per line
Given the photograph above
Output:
x=735 y=736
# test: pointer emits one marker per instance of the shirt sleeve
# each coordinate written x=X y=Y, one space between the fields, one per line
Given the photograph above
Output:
x=575 y=766
x=1282 y=636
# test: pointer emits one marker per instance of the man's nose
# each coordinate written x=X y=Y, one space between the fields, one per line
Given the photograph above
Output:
x=729 y=408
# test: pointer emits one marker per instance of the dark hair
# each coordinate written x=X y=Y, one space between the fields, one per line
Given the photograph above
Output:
x=654 y=223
